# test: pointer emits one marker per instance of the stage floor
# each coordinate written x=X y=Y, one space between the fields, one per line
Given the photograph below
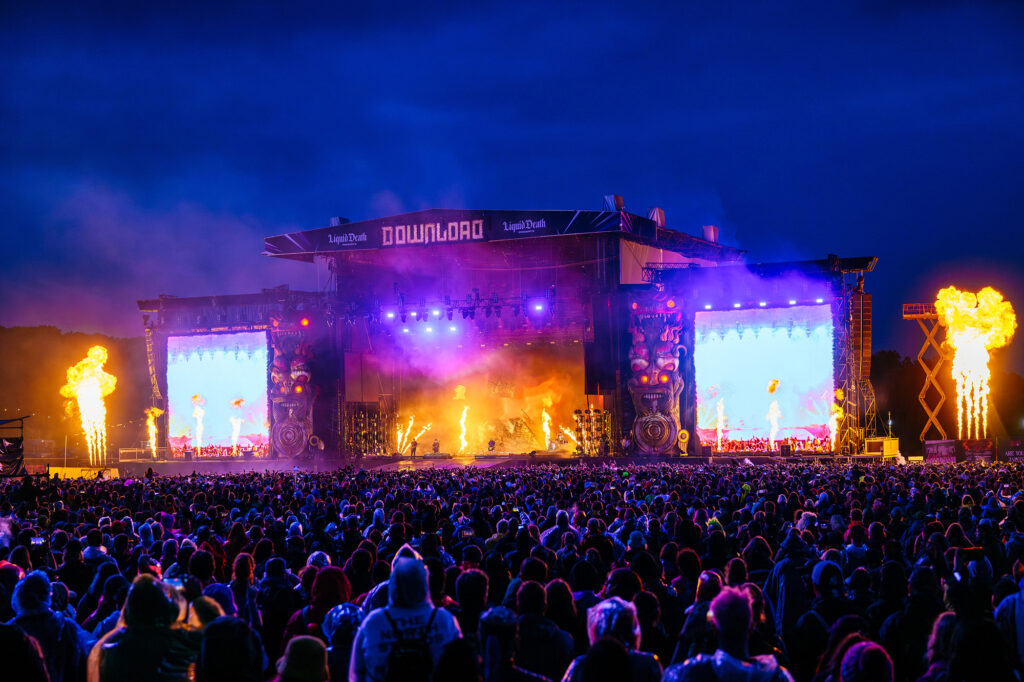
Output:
x=179 y=468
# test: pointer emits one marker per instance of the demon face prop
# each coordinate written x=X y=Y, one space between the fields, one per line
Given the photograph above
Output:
x=292 y=397
x=656 y=384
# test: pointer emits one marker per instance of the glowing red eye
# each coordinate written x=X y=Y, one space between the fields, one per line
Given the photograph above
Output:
x=298 y=389
x=644 y=379
x=671 y=303
x=663 y=378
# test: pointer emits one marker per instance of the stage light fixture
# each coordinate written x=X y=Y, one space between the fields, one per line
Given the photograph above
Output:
x=762 y=304
x=452 y=328
x=430 y=330
x=304 y=322
x=819 y=300
x=437 y=313
x=792 y=301
x=538 y=306
x=390 y=315
x=414 y=313
x=405 y=330
x=707 y=306
x=735 y=305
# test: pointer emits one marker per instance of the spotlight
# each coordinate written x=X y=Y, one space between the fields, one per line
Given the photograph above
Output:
x=452 y=328
x=437 y=313
x=819 y=300
x=762 y=304
x=707 y=306
x=538 y=306
x=405 y=330
x=792 y=301
x=735 y=305
x=430 y=330
x=390 y=315
x=414 y=313
x=304 y=322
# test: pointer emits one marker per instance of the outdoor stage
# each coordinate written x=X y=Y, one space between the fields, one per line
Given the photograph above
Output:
x=600 y=334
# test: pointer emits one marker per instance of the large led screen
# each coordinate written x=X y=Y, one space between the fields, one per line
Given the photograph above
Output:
x=764 y=374
x=217 y=392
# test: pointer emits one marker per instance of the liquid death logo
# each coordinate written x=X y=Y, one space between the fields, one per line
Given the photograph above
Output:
x=346 y=238
x=432 y=233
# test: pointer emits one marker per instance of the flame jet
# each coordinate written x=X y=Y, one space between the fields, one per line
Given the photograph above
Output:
x=151 y=416
x=88 y=384
x=975 y=324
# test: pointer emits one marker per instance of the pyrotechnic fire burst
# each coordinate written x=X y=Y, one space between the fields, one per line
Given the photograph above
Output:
x=570 y=435
x=151 y=415
x=975 y=324
x=545 y=426
x=403 y=436
x=463 y=443
x=88 y=384
x=835 y=415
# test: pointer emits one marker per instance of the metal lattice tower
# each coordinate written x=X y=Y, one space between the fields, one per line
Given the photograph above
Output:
x=928 y=319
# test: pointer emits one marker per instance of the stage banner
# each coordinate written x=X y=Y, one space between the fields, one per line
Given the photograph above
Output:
x=454 y=226
x=978 y=450
x=1011 y=449
x=940 y=451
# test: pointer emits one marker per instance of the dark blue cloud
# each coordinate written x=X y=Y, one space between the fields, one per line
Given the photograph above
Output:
x=857 y=128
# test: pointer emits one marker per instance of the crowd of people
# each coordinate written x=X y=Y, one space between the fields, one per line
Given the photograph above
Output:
x=812 y=445
x=646 y=572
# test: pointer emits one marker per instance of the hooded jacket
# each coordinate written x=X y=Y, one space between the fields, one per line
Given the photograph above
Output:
x=410 y=607
x=726 y=668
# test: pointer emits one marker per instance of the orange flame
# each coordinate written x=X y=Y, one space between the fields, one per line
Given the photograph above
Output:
x=463 y=443
x=151 y=414
x=88 y=384
x=975 y=324
x=773 y=385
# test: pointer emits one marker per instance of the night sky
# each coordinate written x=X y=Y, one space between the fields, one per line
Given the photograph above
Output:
x=148 y=153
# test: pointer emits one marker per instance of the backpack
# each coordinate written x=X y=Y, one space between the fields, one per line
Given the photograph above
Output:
x=410 y=658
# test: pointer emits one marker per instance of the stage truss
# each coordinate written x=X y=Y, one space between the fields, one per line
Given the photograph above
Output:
x=928 y=319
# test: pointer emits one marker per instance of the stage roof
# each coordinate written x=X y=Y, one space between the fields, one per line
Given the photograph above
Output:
x=463 y=226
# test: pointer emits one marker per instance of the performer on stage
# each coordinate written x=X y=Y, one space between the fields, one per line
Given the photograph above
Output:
x=436 y=447
x=412 y=448
x=490 y=445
